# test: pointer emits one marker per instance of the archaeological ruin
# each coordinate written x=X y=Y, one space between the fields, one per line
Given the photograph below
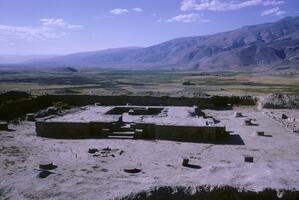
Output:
x=178 y=123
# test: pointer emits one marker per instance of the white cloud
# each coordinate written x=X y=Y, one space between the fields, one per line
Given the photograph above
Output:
x=49 y=28
x=272 y=2
x=224 y=5
x=119 y=11
x=137 y=9
x=28 y=33
x=51 y=22
x=75 y=26
x=273 y=11
x=104 y=17
x=187 y=18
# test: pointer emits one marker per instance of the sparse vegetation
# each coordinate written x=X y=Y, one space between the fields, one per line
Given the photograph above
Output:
x=152 y=83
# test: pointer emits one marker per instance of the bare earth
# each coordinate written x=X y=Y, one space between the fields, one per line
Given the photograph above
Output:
x=80 y=175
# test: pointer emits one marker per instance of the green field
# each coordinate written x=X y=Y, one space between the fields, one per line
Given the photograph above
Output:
x=157 y=83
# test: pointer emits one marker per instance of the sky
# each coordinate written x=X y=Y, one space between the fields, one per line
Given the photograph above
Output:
x=56 y=27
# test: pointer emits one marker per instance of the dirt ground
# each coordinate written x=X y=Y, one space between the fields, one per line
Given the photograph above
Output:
x=82 y=175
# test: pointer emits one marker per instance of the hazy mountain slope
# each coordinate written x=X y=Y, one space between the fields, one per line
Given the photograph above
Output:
x=14 y=59
x=259 y=45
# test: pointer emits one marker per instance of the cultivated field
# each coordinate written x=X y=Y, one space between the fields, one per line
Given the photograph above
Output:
x=154 y=83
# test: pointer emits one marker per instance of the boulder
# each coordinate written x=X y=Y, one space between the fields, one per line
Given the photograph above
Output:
x=3 y=126
x=248 y=159
x=238 y=114
x=284 y=116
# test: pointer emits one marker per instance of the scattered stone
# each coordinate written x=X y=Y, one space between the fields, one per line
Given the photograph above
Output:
x=95 y=167
x=238 y=114
x=44 y=174
x=93 y=150
x=247 y=122
x=30 y=117
x=47 y=166
x=284 y=116
x=185 y=162
x=132 y=171
x=291 y=119
x=106 y=149
x=248 y=159
x=3 y=126
x=260 y=133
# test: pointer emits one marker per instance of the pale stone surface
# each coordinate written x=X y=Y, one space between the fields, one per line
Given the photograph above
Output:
x=170 y=115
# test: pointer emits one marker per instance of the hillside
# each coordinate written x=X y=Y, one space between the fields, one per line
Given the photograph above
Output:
x=274 y=45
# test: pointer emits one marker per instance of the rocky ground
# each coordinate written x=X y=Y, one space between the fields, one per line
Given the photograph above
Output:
x=106 y=172
x=287 y=118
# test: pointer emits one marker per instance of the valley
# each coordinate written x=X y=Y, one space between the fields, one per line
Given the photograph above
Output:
x=151 y=83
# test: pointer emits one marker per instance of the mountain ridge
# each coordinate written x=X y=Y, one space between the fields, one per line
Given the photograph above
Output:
x=271 y=44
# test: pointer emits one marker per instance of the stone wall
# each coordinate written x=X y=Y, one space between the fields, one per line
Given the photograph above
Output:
x=148 y=130
x=71 y=130
x=96 y=128
x=81 y=130
x=182 y=133
x=11 y=110
x=190 y=133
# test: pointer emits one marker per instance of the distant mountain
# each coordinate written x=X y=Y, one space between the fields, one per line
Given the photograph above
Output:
x=15 y=59
x=274 y=45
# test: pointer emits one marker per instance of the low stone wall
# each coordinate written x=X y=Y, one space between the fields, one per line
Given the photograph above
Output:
x=11 y=110
x=67 y=130
x=190 y=133
x=73 y=130
x=182 y=133
x=82 y=130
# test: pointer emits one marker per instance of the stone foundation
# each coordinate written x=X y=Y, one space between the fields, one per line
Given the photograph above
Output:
x=82 y=130
x=134 y=122
x=71 y=130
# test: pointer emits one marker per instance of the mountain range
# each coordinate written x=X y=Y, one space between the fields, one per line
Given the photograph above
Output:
x=270 y=45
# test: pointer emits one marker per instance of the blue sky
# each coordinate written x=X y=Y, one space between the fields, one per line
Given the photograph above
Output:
x=67 y=26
